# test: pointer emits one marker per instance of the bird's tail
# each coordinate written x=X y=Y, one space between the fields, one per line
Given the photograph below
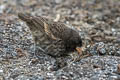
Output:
x=34 y=23
x=25 y=16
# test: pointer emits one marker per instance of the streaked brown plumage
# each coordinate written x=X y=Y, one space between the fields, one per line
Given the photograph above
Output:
x=53 y=38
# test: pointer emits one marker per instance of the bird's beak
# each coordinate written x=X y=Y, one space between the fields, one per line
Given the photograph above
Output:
x=79 y=50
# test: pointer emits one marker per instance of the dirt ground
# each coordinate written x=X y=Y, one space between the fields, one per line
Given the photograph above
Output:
x=98 y=22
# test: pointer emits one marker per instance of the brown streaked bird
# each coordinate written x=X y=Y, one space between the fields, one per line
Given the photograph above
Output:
x=52 y=38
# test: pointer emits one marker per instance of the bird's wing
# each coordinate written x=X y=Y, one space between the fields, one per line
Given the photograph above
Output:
x=46 y=27
x=59 y=30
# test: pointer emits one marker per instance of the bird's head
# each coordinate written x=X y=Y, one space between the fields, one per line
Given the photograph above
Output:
x=74 y=41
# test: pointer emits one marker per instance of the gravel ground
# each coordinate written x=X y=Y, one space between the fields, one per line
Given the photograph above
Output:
x=98 y=22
